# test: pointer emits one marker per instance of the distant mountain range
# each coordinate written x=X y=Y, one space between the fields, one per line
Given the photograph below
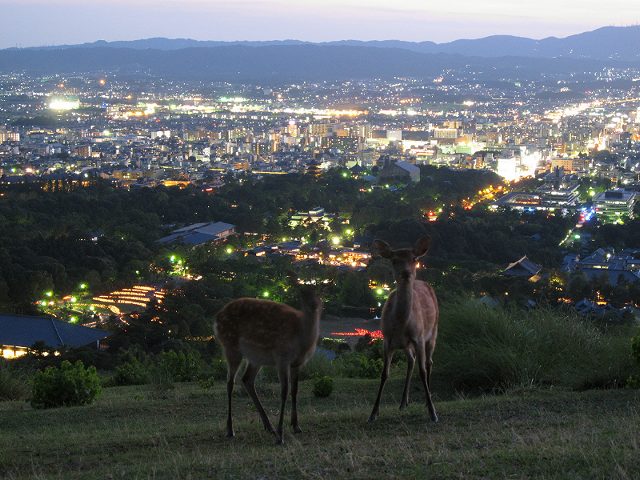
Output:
x=281 y=63
x=606 y=43
x=489 y=58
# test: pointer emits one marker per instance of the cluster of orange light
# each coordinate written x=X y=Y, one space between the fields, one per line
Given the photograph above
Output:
x=361 y=332
x=431 y=216
x=138 y=296
x=488 y=193
x=346 y=259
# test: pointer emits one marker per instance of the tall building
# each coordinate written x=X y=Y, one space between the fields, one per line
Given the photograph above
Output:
x=292 y=128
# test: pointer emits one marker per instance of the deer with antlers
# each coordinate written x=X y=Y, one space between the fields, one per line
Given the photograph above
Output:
x=269 y=333
x=409 y=320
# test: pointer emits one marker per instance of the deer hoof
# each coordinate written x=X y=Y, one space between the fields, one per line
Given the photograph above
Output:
x=372 y=418
x=297 y=429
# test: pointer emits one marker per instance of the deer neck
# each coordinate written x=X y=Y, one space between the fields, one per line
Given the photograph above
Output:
x=311 y=323
x=403 y=300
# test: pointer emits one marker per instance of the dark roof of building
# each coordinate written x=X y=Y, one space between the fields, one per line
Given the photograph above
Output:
x=24 y=331
x=611 y=275
x=522 y=267
x=197 y=233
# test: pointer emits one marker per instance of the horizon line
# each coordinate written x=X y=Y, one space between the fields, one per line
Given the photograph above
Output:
x=17 y=47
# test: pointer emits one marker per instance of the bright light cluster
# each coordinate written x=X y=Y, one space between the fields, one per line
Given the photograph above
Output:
x=63 y=104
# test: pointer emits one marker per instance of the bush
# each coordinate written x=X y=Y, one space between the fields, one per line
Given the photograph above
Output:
x=358 y=365
x=482 y=349
x=323 y=386
x=215 y=372
x=180 y=366
x=218 y=369
x=13 y=384
x=317 y=366
x=71 y=384
x=335 y=345
x=132 y=372
x=162 y=378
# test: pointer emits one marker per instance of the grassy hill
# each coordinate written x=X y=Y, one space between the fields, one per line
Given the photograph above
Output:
x=141 y=432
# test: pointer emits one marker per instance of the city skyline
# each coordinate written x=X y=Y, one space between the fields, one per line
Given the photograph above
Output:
x=71 y=21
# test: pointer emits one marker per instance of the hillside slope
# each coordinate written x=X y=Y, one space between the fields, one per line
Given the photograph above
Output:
x=138 y=432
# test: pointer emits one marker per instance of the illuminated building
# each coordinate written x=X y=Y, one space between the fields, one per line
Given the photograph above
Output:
x=611 y=206
x=446 y=133
x=560 y=191
x=569 y=164
x=18 y=333
x=316 y=215
x=604 y=264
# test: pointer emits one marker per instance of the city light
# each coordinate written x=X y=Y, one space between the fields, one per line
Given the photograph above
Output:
x=62 y=104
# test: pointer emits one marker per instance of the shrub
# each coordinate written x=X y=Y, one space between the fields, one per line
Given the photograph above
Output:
x=71 y=384
x=162 y=377
x=13 y=384
x=219 y=369
x=358 y=365
x=180 y=366
x=482 y=349
x=215 y=371
x=365 y=344
x=323 y=386
x=335 y=345
x=132 y=372
x=317 y=366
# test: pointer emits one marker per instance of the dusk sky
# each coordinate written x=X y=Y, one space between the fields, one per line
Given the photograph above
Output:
x=39 y=22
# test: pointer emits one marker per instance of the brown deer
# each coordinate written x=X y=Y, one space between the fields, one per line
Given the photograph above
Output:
x=409 y=320
x=269 y=333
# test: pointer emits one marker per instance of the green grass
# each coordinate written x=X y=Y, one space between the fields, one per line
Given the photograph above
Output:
x=135 y=432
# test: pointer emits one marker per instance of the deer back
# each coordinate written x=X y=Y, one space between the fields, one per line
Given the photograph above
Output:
x=262 y=323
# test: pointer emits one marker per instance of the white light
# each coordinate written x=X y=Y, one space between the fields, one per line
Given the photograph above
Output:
x=62 y=104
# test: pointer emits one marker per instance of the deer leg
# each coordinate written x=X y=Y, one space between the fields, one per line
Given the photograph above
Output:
x=411 y=360
x=233 y=363
x=249 y=381
x=420 y=350
x=429 y=347
x=283 y=373
x=294 y=400
x=388 y=355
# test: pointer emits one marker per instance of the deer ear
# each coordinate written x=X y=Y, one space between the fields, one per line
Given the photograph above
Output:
x=422 y=246
x=381 y=248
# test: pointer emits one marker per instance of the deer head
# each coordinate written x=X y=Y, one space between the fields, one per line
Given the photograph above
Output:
x=310 y=294
x=403 y=260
